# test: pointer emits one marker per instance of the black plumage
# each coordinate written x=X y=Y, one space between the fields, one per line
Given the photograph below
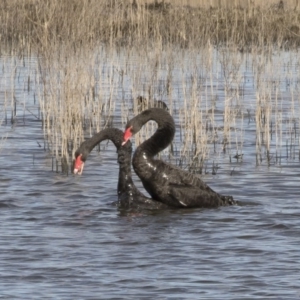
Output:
x=164 y=182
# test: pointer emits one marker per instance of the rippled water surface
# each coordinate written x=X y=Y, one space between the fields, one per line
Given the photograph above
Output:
x=61 y=237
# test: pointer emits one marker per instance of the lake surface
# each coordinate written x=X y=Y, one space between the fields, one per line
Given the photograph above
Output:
x=61 y=237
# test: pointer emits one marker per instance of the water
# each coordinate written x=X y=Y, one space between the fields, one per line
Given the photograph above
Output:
x=61 y=237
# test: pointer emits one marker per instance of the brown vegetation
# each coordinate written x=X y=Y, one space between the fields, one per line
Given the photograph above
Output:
x=97 y=56
x=120 y=23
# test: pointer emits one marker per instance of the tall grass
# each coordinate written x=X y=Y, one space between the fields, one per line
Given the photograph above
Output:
x=120 y=23
x=95 y=57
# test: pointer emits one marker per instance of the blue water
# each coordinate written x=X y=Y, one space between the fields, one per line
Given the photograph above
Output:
x=61 y=237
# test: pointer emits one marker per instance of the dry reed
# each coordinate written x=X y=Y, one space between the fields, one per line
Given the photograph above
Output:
x=120 y=23
x=96 y=57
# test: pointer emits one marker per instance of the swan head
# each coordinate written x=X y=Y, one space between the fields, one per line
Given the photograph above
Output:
x=135 y=124
x=78 y=164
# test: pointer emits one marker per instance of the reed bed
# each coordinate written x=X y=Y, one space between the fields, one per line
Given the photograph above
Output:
x=26 y=23
x=223 y=72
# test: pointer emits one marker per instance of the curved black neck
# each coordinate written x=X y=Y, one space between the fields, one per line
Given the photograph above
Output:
x=163 y=135
x=113 y=134
x=125 y=182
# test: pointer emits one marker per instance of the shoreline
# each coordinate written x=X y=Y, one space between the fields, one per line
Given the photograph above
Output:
x=132 y=22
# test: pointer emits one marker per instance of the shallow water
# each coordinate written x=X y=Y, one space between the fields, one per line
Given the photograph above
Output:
x=61 y=237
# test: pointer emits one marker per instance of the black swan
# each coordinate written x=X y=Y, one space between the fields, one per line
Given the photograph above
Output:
x=128 y=195
x=143 y=103
x=164 y=182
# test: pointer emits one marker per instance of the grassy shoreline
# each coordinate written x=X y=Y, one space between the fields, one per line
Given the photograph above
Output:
x=120 y=23
x=287 y=4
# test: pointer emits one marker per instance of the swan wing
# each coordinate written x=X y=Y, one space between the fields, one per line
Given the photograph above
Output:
x=182 y=178
x=194 y=197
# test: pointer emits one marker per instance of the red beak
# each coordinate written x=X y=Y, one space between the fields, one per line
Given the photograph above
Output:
x=127 y=135
x=78 y=165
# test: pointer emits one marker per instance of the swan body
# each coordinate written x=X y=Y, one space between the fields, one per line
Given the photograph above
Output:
x=165 y=182
x=128 y=195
